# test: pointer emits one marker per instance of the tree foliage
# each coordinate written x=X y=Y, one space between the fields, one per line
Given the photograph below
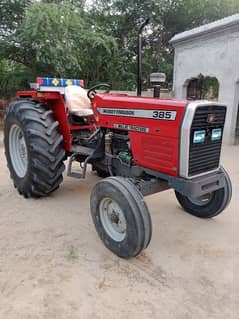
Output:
x=96 y=41
x=13 y=76
x=11 y=15
x=57 y=40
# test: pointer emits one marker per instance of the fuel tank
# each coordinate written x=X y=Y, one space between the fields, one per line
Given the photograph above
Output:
x=153 y=126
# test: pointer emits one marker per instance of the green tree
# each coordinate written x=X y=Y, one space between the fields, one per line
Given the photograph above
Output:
x=59 y=40
x=167 y=17
x=96 y=42
x=11 y=15
x=13 y=77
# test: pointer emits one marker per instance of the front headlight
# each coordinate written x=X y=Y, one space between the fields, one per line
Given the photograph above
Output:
x=216 y=134
x=199 y=136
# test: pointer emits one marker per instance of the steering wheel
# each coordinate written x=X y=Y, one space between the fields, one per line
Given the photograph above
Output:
x=92 y=91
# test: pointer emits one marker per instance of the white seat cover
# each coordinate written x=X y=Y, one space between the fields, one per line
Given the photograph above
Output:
x=77 y=101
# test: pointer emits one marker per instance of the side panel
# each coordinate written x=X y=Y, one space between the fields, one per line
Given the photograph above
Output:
x=153 y=125
x=156 y=152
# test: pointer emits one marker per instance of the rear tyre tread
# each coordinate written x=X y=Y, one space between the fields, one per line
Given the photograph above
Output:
x=46 y=114
x=46 y=154
x=30 y=119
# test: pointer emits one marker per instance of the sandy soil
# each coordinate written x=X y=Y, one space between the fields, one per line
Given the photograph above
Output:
x=53 y=265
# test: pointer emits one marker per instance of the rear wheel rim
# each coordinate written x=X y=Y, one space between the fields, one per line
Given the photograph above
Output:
x=18 y=150
x=113 y=219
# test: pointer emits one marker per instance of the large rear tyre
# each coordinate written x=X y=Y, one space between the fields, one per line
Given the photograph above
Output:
x=33 y=148
x=121 y=216
x=208 y=205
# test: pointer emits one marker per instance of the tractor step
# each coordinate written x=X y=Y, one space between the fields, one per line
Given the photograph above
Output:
x=80 y=151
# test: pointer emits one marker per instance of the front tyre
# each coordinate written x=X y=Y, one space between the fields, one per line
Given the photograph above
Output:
x=121 y=216
x=208 y=205
x=33 y=148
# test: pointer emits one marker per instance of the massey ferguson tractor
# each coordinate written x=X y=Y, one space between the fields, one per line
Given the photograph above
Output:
x=140 y=145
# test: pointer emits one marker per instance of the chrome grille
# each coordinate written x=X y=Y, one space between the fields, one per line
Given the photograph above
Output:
x=204 y=157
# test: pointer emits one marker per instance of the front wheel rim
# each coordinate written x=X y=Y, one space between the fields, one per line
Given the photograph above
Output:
x=18 y=150
x=112 y=219
x=202 y=200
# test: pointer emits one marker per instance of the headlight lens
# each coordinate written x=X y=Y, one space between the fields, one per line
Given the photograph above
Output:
x=199 y=136
x=216 y=134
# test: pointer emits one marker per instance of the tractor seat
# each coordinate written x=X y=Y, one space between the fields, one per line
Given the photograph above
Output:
x=77 y=101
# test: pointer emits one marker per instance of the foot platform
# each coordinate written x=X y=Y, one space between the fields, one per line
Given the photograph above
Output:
x=79 y=151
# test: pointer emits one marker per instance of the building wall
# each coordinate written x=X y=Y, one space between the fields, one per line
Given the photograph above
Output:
x=214 y=54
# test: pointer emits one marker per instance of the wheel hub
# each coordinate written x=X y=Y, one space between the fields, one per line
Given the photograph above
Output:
x=18 y=150
x=112 y=219
x=23 y=149
x=202 y=200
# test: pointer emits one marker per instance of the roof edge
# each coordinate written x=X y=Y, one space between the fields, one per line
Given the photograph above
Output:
x=207 y=28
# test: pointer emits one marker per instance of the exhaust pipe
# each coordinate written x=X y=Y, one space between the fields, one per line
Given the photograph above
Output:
x=139 y=57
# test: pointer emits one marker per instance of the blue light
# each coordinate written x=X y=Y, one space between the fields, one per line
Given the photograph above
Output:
x=58 y=82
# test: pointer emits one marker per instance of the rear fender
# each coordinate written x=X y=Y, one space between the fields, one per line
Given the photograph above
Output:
x=58 y=108
x=55 y=102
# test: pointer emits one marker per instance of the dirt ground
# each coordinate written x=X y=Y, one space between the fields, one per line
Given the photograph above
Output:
x=54 y=266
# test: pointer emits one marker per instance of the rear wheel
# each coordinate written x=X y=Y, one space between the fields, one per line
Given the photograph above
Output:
x=208 y=205
x=33 y=148
x=121 y=216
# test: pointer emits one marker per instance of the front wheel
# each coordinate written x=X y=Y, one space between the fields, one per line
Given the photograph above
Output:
x=208 y=205
x=121 y=216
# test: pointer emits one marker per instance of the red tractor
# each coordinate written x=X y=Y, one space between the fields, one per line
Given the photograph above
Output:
x=140 y=145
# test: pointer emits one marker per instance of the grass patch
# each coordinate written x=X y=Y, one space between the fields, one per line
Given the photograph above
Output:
x=72 y=254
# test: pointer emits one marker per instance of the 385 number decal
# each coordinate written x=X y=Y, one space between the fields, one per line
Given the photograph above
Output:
x=165 y=115
x=139 y=113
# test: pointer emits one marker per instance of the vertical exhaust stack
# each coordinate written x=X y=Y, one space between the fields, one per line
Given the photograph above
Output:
x=156 y=79
x=139 y=57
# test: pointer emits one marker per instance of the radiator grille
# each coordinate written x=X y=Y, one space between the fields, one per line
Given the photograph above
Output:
x=205 y=156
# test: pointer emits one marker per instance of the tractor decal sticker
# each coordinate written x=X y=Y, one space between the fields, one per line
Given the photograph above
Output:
x=58 y=82
x=55 y=82
x=148 y=114
x=132 y=128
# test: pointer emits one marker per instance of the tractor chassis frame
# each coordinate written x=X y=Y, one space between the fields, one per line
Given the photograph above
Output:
x=192 y=188
x=157 y=182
